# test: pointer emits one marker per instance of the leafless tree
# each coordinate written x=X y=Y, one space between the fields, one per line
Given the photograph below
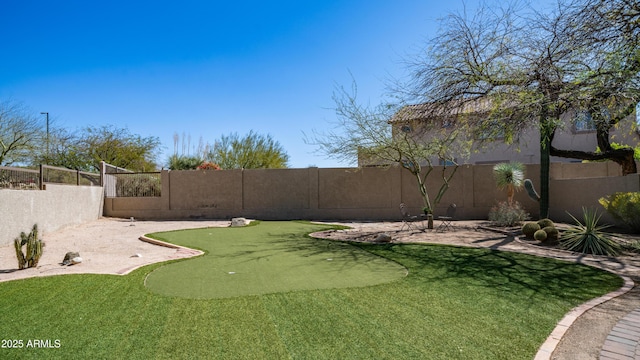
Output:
x=21 y=134
x=365 y=133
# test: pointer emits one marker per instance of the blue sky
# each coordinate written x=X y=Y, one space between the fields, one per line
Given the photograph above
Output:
x=207 y=68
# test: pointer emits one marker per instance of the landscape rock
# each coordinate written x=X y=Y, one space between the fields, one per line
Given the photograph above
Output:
x=68 y=257
x=237 y=222
x=383 y=238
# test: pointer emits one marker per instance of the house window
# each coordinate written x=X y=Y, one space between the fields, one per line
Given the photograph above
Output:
x=406 y=128
x=584 y=121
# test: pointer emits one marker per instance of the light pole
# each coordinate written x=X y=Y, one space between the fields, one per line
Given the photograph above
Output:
x=46 y=113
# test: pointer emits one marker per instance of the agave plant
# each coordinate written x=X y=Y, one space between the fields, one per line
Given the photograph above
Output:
x=509 y=176
x=588 y=237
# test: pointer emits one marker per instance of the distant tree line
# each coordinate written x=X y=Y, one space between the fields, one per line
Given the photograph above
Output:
x=25 y=141
x=251 y=151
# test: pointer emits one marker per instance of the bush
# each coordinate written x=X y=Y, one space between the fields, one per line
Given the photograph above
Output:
x=588 y=237
x=540 y=235
x=624 y=207
x=182 y=162
x=208 y=166
x=504 y=214
x=528 y=229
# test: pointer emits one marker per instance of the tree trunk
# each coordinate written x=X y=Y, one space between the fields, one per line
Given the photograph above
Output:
x=510 y=194
x=545 y=149
x=547 y=132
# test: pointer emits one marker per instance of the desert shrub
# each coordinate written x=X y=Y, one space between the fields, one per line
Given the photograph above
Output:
x=183 y=162
x=528 y=229
x=540 y=235
x=588 y=237
x=545 y=223
x=505 y=214
x=624 y=207
x=208 y=166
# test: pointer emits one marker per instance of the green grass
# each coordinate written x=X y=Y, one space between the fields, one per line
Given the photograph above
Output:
x=455 y=303
x=272 y=257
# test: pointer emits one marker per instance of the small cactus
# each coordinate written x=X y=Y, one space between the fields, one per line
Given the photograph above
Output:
x=528 y=229
x=540 y=235
x=552 y=232
x=528 y=185
x=22 y=262
x=545 y=223
x=33 y=251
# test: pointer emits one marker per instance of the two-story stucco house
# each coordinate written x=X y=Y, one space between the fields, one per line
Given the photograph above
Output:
x=576 y=133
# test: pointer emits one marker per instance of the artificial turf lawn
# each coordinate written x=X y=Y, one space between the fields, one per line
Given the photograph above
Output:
x=270 y=257
x=455 y=303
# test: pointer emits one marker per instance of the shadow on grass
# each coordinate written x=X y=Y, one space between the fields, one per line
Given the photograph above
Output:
x=507 y=271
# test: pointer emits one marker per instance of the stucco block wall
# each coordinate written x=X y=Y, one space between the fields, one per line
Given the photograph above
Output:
x=203 y=189
x=366 y=188
x=570 y=195
x=54 y=208
x=279 y=190
x=361 y=193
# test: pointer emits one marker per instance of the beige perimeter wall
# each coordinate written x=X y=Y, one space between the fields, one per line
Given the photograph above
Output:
x=360 y=194
x=56 y=207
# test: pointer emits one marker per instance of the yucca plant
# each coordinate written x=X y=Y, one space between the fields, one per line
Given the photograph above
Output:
x=588 y=237
x=509 y=176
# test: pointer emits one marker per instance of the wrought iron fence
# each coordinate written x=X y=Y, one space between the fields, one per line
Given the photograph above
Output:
x=58 y=175
x=19 y=178
x=119 y=182
x=30 y=179
x=133 y=184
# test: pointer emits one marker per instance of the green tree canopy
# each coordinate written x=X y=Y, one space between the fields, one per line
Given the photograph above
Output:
x=116 y=146
x=252 y=151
